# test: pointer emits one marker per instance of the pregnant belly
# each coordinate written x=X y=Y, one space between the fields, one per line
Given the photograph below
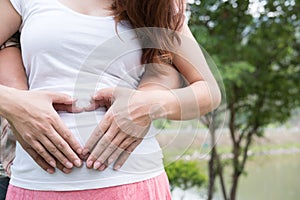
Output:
x=82 y=124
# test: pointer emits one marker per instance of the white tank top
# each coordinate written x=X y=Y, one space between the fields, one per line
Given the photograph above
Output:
x=77 y=54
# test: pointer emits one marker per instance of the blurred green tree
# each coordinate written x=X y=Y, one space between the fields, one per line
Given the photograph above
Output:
x=185 y=174
x=257 y=52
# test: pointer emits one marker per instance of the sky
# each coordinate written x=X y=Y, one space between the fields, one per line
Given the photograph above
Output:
x=256 y=6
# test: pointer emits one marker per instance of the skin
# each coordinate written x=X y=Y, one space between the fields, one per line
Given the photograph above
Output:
x=119 y=133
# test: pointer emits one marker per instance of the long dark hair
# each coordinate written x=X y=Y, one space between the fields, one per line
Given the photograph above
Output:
x=166 y=14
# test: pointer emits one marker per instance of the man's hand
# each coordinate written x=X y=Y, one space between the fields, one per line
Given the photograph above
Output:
x=36 y=122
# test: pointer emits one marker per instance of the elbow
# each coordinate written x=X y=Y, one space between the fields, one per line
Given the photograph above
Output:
x=211 y=100
x=216 y=98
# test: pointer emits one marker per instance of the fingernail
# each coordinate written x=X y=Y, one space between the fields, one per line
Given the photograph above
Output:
x=77 y=163
x=111 y=160
x=117 y=167
x=102 y=167
x=97 y=165
x=66 y=170
x=85 y=151
x=53 y=164
x=89 y=164
x=50 y=171
x=69 y=165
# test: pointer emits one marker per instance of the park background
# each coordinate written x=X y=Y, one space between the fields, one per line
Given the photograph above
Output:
x=249 y=148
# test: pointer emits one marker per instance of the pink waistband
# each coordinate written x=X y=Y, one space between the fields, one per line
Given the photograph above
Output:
x=156 y=188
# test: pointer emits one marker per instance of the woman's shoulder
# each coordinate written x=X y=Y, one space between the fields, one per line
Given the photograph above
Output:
x=20 y=5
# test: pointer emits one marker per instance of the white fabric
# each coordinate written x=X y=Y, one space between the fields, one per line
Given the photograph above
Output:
x=77 y=54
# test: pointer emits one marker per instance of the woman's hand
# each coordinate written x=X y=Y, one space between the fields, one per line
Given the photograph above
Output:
x=36 y=157
x=39 y=128
x=130 y=114
x=123 y=127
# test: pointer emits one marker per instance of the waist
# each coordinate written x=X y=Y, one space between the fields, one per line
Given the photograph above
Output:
x=136 y=168
x=145 y=161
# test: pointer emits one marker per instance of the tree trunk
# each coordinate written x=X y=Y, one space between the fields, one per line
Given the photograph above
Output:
x=233 y=191
x=235 y=152
x=210 y=123
x=215 y=166
x=221 y=176
x=236 y=170
x=212 y=174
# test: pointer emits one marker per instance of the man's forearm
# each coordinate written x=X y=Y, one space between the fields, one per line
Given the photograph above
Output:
x=12 y=73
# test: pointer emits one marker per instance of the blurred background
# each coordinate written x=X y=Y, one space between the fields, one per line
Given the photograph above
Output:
x=249 y=148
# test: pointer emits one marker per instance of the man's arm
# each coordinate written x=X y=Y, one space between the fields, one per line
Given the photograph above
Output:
x=7 y=58
x=12 y=72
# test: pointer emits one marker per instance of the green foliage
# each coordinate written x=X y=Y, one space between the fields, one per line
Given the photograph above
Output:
x=161 y=123
x=258 y=56
x=186 y=174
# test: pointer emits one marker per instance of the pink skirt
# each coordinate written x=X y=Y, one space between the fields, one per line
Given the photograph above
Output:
x=156 y=188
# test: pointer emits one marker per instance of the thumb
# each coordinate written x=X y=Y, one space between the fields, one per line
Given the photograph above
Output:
x=104 y=94
x=60 y=98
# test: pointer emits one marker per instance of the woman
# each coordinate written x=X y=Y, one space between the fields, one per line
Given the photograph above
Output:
x=10 y=58
x=143 y=171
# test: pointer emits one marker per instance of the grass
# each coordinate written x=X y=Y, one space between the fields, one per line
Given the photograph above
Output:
x=255 y=149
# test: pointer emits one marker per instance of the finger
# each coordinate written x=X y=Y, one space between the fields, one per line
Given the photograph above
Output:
x=46 y=164
x=121 y=160
x=104 y=144
x=104 y=94
x=84 y=157
x=53 y=146
x=94 y=105
x=66 y=142
x=108 y=104
x=99 y=148
x=68 y=108
x=62 y=168
x=109 y=150
x=98 y=133
x=121 y=147
x=103 y=167
x=60 y=98
x=125 y=155
x=39 y=160
x=40 y=150
x=114 y=155
x=90 y=161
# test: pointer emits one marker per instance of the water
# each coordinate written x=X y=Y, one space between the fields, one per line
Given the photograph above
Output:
x=272 y=177
x=275 y=177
